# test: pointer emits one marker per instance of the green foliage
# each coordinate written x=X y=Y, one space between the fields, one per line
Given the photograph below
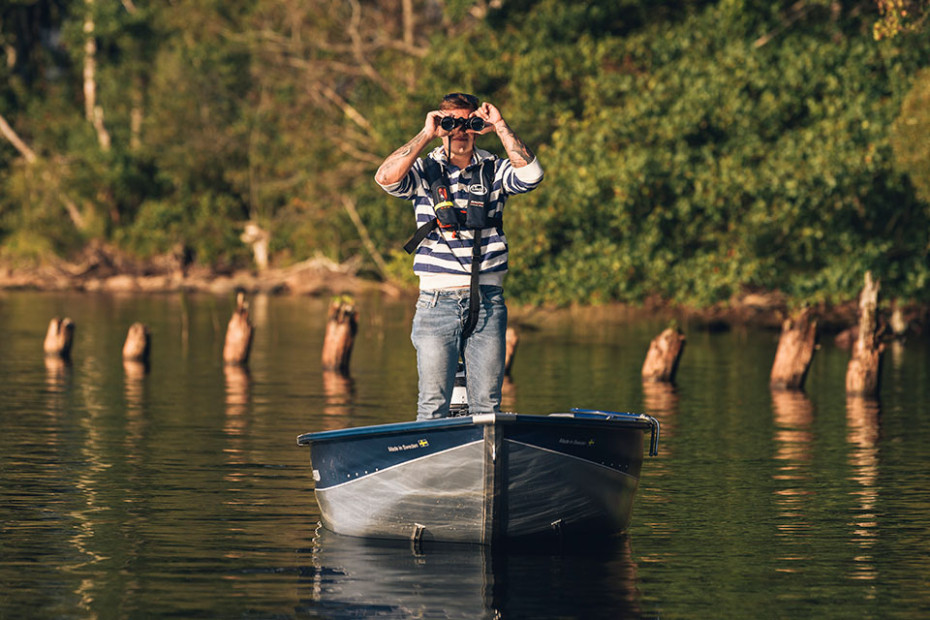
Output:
x=701 y=166
x=693 y=148
x=909 y=136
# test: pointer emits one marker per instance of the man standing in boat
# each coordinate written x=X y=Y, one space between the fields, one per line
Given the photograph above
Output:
x=458 y=193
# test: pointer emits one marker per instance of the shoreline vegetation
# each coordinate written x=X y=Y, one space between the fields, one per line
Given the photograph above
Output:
x=726 y=161
x=102 y=269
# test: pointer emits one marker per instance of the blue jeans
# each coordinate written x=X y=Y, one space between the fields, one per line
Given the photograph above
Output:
x=437 y=337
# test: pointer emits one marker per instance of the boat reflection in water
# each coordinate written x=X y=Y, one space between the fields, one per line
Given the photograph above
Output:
x=349 y=577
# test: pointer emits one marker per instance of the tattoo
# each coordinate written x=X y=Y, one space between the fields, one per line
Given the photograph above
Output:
x=519 y=154
x=398 y=163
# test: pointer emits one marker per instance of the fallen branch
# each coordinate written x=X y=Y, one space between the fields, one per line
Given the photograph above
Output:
x=23 y=148
x=363 y=233
x=31 y=158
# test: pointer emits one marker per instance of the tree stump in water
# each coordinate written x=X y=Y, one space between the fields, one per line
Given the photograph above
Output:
x=340 y=334
x=512 y=339
x=664 y=354
x=238 y=335
x=138 y=342
x=59 y=337
x=795 y=351
x=864 y=370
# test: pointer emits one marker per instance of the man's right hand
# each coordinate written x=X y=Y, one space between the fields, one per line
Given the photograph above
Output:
x=432 y=128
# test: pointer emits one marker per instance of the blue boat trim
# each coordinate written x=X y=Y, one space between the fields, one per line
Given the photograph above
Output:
x=590 y=415
x=384 y=429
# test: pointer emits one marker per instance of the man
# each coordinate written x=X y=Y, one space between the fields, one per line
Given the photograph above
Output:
x=458 y=192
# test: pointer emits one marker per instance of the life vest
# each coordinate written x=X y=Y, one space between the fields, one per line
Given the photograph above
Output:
x=449 y=217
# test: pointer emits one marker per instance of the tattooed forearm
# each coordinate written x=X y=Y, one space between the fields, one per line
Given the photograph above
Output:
x=517 y=150
x=398 y=163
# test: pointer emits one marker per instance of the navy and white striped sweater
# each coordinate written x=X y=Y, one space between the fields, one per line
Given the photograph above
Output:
x=443 y=259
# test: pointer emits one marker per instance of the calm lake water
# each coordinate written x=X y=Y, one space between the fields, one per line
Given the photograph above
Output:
x=181 y=492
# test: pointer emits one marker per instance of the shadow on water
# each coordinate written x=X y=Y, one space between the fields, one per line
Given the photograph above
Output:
x=345 y=577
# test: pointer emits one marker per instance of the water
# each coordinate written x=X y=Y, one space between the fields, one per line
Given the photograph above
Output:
x=180 y=492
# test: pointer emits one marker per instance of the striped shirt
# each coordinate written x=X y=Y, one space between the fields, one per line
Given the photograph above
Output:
x=443 y=259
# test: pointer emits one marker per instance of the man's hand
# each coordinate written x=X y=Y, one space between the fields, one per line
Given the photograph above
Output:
x=431 y=127
x=520 y=155
x=490 y=115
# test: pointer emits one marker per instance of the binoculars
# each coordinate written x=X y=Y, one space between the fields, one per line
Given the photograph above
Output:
x=448 y=123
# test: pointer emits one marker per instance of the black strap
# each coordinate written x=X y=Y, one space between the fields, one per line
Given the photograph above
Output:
x=423 y=232
x=474 y=298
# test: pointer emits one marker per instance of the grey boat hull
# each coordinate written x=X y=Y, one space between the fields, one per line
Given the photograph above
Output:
x=482 y=479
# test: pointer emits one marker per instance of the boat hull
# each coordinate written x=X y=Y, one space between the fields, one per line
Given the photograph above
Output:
x=481 y=479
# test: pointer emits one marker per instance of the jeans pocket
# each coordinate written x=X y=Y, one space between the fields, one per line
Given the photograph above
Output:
x=426 y=300
x=493 y=295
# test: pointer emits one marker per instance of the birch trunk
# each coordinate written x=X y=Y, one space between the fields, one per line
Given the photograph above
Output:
x=92 y=111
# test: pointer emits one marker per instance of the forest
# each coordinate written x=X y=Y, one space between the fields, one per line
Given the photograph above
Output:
x=694 y=149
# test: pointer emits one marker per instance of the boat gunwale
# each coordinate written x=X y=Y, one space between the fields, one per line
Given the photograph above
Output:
x=585 y=418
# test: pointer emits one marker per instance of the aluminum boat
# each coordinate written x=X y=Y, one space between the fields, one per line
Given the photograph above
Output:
x=482 y=478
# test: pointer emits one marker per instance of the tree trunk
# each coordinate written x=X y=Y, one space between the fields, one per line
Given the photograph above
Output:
x=898 y=322
x=340 y=335
x=238 y=335
x=136 y=114
x=92 y=111
x=59 y=337
x=795 y=351
x=864 y=371
x=664 y=354
x=258 y=239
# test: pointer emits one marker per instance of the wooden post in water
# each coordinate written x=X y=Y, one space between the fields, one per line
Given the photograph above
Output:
x=59 y=337
x=340 y=334
x=795 y=351
x=897 y=321
x=238 y=335
x=664 y=354
x=512 y=339
x=137 y=345
x=864 y=371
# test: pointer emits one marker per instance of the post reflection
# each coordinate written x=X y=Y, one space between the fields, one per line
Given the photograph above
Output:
x=238 y=396
x=339 y=392
x=235 y=423
x=386 y=578
x=134 y=386
x=508 y=395
x=793 y=417
x=134 y=373
x=863 y=429
x=57 y=372
x=660 y=400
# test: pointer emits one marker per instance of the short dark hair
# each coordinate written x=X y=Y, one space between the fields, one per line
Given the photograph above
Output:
x=459 y=101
